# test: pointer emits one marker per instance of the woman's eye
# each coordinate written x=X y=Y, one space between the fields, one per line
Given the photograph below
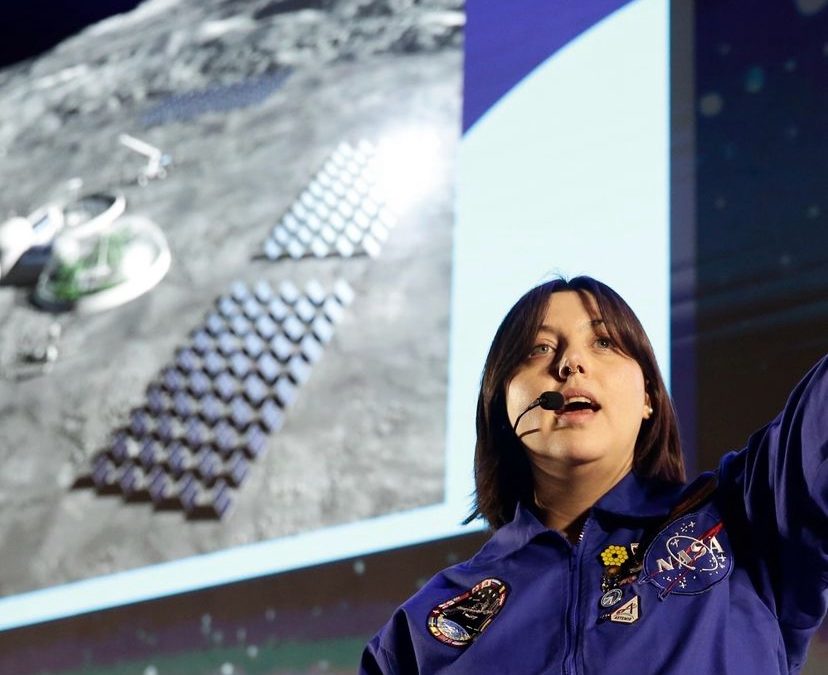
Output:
x=541 y=350
x=604 y=342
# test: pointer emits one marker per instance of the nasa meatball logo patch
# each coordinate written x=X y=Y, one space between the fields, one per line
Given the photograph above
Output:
x=689 y=556
x=459 y=621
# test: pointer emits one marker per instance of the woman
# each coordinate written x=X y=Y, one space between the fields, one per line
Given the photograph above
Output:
x=602 y=560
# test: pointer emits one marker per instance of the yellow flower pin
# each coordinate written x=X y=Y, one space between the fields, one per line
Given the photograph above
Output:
x=614 y=555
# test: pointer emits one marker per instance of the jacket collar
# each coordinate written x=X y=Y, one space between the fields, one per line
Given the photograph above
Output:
x=637 y=497
x=632 y=497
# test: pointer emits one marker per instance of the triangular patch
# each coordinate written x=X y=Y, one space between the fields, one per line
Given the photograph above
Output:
x=628 y=612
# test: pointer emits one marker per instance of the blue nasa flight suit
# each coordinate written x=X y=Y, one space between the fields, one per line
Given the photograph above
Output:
x=737 y=584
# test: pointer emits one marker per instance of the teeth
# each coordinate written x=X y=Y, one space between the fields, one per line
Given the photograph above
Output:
x=579 y=399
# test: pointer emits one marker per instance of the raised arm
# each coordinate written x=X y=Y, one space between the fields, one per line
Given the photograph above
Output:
x=775 y=500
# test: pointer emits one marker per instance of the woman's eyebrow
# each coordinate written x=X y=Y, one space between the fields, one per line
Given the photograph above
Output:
x=594 y=323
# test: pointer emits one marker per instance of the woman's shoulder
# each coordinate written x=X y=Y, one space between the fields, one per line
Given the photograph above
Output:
x=451 y=608
x=466 y=577
x=453 y=580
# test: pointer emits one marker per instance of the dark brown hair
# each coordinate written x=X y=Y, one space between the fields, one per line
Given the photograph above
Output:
x=503 y=475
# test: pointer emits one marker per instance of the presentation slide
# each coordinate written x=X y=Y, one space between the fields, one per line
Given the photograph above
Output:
x=249 y=291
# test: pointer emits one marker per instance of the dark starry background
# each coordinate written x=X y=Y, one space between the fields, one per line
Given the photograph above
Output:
x=762 y=211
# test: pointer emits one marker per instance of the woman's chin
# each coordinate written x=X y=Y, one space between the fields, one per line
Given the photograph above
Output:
x=573 y=457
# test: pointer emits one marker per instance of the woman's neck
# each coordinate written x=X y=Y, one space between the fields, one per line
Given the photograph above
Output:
x=564 y=498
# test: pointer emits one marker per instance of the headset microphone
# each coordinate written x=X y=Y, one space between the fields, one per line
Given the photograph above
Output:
x=551 y=400
x=548 y=400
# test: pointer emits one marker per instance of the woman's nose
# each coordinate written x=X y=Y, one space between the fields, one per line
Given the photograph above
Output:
x=568 y=366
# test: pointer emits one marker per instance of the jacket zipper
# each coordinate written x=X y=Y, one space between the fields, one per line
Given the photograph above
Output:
x=573 y=632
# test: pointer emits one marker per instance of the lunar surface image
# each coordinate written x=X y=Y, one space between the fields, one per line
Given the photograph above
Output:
x=225 y=261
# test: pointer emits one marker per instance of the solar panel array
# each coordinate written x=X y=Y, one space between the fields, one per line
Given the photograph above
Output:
x=340 y=213
x=217 y=98
x=206 y=416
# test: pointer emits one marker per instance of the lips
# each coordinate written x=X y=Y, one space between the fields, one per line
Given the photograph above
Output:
x=578 y=401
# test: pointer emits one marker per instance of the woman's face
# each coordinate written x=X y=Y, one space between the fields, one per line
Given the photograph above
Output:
x=604 y=391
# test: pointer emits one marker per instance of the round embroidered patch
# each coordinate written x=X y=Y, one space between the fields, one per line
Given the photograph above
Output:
x=689 y=556
x=459 y=621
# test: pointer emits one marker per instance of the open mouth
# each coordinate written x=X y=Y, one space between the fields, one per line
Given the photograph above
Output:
x=576 y=404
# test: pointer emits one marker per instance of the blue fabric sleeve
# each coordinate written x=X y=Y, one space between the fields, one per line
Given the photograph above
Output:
x=775 y=501
x=390 y=652
x=374 y=661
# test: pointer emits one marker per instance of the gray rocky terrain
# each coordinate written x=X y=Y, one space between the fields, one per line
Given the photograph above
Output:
x=248 y=98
